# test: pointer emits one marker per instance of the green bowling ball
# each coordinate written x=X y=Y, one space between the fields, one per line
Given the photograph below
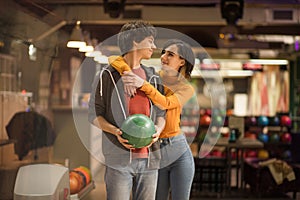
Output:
x=138 y=130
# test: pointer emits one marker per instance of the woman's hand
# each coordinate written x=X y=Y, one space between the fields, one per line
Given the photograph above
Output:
x=132 y=79
x=129 y=90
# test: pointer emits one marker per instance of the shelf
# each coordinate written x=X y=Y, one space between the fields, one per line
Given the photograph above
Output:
x=276 y=144
x=221 y=73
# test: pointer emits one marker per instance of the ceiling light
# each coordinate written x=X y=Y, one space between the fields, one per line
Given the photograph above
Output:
x=236 y=73
x=32 y=52
x=102 y=59
x=93 y=54
x=76 y=38
x=269 y=61
x=87 y=48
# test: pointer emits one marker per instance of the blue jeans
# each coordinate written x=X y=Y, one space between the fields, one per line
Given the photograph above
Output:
x=177 y=169
x=135 y=179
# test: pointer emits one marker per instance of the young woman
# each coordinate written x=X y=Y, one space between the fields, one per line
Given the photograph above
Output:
x=177 y=164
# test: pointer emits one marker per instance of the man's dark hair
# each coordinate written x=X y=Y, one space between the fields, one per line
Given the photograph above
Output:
x=134 y=31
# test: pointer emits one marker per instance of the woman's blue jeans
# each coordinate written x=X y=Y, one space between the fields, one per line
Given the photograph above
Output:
x=177 y=169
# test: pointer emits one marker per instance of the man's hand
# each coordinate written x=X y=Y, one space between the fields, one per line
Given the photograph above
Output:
x=123 y=141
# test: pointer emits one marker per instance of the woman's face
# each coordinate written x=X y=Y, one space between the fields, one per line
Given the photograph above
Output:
x=170 y=60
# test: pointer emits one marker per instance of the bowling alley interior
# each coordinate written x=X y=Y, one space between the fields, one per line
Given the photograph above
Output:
x=242 y=123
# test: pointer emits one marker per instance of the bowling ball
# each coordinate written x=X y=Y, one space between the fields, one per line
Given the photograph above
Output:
x=251 y=121
x=76 y=182
x=229 y=112
x=286 y=137
x=217 y=120
x=83 y=177
x=274 y=121
x=87 y=171
x=263 y=154
x=287 y=154
x=138 y=130
x=285 y=121
x=274 y=137
x=223 y=112
x=84 y=173
x=263 y=137
x=250 y=135
x=205 y=120
x=208 y=111
x=263 y=121
x=251 y=154
x=202 y=111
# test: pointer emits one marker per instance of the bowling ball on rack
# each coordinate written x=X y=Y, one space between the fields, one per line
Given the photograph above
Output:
x=287 y=154
x=285 y=121
x=76 y=182
x=208 y=111
x=205 y=120
x=251 y=153
x=217 y=120
x=286 y=137
x=274 y=121
x=263 y=121
x=84 y=173
x=87 y=171
x=263 y=154
x=263 y=137
x=274 y=137
x=138 y=130
x=251 y=121
x=250 y=135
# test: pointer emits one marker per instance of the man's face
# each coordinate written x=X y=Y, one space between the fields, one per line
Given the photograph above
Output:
x=145 y=47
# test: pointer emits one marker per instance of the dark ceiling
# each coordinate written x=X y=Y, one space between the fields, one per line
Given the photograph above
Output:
x=204 y=34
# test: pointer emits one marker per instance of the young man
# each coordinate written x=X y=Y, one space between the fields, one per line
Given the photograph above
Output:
x=129 y=171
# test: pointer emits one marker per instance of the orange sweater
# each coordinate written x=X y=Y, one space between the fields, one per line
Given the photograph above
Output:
x=177 y=92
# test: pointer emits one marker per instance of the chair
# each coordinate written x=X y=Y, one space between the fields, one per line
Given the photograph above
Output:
x=210 y=176
x=261 y=181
